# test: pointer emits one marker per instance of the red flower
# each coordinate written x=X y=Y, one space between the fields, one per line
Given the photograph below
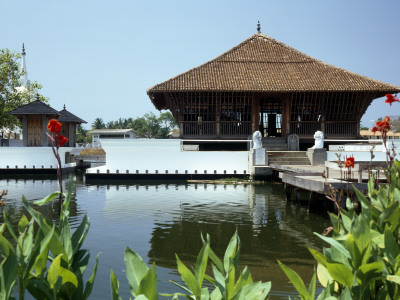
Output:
x=54 y=126
x=62 y=139
x=349 y=162
x=382 y=126
x=374 y=129
x=390 y=99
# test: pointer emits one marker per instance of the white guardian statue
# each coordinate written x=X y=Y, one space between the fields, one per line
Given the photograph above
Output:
x=257 y=144
x=319 y=140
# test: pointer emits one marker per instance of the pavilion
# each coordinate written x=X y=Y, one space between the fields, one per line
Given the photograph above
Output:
x=34 y=117
x=263 y=84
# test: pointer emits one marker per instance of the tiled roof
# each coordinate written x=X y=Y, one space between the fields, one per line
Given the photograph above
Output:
x=36 y=107
x=69 y=117
x=263 y=64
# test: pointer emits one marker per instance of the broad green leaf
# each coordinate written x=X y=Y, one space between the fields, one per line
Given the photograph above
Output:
x=244 y=279
x=355 y=253
x=141 y=297
x=114 y=286
x=48 y=198
x=148 y=284
x=201 y=264
x=220 y=282
x=295 y=279
x=8 y=269
x=41 y=260
x=89 y=283
x=393 y=278
x=135 y=269
x=65 y=235
x=56 y=271
x=341 y=274
x=335 y=244
x=311 y=288
x=40 y=289
x=391 y=246
x=188 y=278
x=257 y=290
x=388 y=212
x=217 y=262
x=323 y=275
x=205 y=294
x=230 y=251
x=79 y=235
x=361 y=234
x=318 y=256
x=369 y=272
x=346 y=294
x=10 y=229
x=216 y=294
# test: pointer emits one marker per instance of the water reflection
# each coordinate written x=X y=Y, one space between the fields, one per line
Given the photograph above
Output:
x=160 y=220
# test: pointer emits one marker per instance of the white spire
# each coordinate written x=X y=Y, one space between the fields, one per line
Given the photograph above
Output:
x=24 y=81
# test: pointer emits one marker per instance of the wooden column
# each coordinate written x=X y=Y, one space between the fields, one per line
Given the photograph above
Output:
x=286 y=107
x=218 y=115
x=255 y=113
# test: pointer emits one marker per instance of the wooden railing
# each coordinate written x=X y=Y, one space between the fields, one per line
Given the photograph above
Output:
x=339 y=128
x=235 y=128
x=207 y=128
x=304 y=128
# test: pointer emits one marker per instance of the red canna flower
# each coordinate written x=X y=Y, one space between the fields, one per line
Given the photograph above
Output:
x=349 y=162
x=374 y=129
x=54 y=126
x=390 y=99
x=62 y=139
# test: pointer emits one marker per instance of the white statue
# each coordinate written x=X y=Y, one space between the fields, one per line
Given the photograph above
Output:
x=257 y=144
x=319 y=140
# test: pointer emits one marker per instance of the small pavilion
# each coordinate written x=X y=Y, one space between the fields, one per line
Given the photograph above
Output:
x=34 y=117
x=263 y=84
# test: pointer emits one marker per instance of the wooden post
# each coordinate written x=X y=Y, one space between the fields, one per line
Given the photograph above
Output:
x=218 y=115
x=255 y=113
x=286 y=105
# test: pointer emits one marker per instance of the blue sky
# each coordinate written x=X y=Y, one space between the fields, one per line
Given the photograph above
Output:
x=99 y=57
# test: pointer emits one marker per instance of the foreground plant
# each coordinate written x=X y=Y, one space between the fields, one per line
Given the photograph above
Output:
x=143 y=280
x=50 y=264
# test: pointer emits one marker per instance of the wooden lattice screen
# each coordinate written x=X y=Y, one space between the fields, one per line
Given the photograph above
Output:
x=212 y=114
x=334 y=113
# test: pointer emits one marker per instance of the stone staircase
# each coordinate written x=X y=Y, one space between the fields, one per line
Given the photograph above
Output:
x=288 y=158
x=275 y=144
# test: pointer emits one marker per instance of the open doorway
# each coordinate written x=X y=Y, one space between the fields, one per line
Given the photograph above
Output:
x=270 y=117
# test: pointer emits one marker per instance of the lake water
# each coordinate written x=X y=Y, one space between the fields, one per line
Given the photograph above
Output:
x=159 y=220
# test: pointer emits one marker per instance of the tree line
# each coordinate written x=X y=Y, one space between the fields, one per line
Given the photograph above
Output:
x=148 y=126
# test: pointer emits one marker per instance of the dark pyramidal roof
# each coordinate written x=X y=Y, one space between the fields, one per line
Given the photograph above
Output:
x=69 y=117
x=263 y=64
x=37 y=107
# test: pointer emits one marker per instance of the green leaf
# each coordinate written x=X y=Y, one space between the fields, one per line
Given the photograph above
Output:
x=311 y=288
x=391 y=247
x=244 y=279
x=295 y=279
x=341 y=274
x=114 y=286
x=201 y=264
x=231 y=251
x=393 y=278
x=318 y=256
x=369 y=272
x=79 y=235
x=10 y=229
x=89 y=283
x=56 y=271
x=148 y=284
x=188 y=278
x=65 y=235
x=41 y=260
x=220 y=281
x=335 y=244
x=47 y=198
x=8 y=269
x=135 y=269
x=257 y=290
x=323 y=275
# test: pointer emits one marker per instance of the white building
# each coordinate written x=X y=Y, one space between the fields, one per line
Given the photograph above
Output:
x=98 y=134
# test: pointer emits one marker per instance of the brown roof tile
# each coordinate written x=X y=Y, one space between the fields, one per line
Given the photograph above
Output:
x=263 y=64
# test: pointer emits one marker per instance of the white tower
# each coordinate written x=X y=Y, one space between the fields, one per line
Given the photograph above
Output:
x=23 y=81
